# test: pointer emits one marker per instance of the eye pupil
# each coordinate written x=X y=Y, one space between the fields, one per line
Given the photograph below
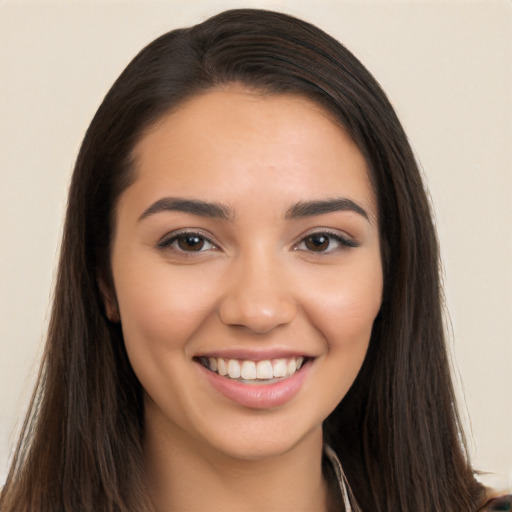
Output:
x=190 y=243
x=317 y=242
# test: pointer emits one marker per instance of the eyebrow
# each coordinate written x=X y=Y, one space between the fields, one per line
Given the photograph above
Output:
x=193 y=206
x=311 y=208
x=220 y=211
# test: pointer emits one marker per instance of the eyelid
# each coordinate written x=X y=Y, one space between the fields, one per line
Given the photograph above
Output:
x=345 y=240
x=170 y=237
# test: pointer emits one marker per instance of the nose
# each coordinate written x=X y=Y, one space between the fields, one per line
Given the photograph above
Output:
x=257 y=297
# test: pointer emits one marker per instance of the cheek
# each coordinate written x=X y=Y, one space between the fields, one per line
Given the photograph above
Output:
x=345 y=308
x=160 y=309
x=344 y=312
x=160 y=312
x=346 y=318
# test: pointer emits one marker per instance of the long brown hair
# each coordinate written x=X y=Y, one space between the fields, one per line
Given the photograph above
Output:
x=397 y=431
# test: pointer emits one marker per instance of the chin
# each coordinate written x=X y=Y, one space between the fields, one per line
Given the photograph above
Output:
x=251 y=443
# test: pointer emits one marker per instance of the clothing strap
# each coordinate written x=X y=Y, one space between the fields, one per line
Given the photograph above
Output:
x=345 y=490
x=501 y=503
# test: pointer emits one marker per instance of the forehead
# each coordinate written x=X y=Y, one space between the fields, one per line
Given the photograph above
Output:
x=232 y=139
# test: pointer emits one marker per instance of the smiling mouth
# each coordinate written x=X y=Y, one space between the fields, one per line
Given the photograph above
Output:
x=264 y=371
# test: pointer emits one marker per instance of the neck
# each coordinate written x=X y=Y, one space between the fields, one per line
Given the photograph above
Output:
x=191 y=478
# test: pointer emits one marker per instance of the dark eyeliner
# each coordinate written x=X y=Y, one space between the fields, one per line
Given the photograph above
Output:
x=170 y=238
x=345 y=242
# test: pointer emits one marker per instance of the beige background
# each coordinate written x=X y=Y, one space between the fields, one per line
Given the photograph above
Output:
x=447 y=67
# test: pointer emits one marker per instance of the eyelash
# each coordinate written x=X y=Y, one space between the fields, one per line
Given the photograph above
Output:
x=344 y=242
x=174 y=238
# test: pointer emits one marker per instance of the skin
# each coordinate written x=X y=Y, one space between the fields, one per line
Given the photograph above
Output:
x=256 y=283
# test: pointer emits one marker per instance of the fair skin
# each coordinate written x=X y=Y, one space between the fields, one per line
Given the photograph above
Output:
x=249 y=235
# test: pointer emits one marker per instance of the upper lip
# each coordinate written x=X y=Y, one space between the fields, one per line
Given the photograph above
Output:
x=254 y=355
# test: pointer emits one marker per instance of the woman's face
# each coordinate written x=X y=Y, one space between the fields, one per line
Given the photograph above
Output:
x=248 y=244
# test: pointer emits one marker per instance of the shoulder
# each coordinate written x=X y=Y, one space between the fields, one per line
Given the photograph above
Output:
x=498 y=494
x=497 y=502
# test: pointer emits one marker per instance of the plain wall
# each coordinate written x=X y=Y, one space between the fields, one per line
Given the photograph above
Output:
x=447 y=68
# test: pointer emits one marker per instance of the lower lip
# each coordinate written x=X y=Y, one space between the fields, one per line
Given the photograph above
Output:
x=258 y=396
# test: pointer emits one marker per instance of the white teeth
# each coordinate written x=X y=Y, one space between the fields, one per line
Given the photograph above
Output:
x=222 y=367
x=254 y=370
x=264 y=370
x=248 y=370
x=234 y=369
x=279 y=368
x=291 y=367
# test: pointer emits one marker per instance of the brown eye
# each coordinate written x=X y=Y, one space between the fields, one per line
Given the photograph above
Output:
x=186 y=242
x=190 y=242
x=317 y=243
x=325 y=242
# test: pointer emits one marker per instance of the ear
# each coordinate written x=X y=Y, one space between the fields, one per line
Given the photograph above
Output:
x=109 y=301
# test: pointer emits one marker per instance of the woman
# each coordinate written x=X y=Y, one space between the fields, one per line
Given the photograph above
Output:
x=247 y=296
